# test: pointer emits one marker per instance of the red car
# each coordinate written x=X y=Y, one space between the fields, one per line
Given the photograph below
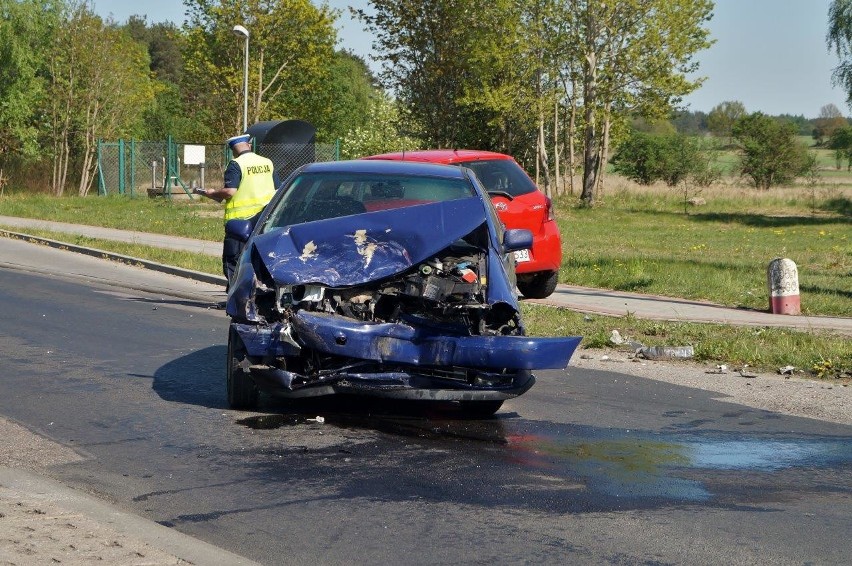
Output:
x=519 y=204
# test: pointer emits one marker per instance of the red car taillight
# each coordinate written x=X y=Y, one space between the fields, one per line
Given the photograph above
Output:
x=548 y=213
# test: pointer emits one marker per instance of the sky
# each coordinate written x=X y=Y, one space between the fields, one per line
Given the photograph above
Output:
x=770 y=55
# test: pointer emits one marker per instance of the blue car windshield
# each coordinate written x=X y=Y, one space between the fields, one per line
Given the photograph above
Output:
x=320 y=196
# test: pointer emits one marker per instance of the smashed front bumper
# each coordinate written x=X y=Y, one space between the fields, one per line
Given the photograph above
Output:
x=399 y=360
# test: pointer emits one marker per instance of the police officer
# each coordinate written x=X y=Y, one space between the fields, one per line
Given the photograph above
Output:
x=250 y=182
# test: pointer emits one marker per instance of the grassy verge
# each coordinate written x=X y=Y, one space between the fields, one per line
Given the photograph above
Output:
x=819 y=354
x=190 y=219
x=643 y=240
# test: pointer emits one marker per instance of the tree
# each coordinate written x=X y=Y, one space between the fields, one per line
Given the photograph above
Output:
x=291 y=50
x=26 y=28
x=162 y=40
x=690 y=123
x=830 y=118
x=804 y=127
x=166 y=115
x=352 y=89
x=637 y=56
x=380 y=133
x=100 y=80
x=841 y=143
x=722 y=117
x=424 y=47
x=839 y=39
x=508 y=75
x=769 y=152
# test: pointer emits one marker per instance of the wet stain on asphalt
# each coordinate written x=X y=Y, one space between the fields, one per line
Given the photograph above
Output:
x=670 y=465
x=654 y=465
x=489 y=431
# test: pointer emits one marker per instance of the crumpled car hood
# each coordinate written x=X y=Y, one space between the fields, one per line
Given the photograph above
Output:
x=353 y=250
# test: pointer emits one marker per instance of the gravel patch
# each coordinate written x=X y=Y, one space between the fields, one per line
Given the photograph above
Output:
x=825 y=400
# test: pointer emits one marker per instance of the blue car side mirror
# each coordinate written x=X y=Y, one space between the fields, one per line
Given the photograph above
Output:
x=517 y=239
x=239 y=229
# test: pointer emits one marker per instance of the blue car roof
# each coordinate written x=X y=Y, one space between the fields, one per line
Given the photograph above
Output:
x=386 y=167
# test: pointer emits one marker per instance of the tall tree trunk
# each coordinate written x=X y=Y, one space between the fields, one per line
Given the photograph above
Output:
x=542 y=156
x=590 y=142
x=559 y=183
x=86 y=173
x=604 y=155
x=572 y=133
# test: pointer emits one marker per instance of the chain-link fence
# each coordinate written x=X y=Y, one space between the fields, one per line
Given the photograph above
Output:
x=288 y=157
x=169 y=168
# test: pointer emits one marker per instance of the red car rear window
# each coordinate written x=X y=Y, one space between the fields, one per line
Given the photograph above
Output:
x=501 y=176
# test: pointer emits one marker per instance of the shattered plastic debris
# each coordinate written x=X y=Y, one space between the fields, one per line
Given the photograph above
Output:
x=615 y=338
x=720 y=369
x=667 y=352
x=745 y=372
x=786 y=370
x=319 y=420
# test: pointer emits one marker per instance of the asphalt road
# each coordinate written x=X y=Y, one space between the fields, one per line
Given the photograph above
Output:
x=588 y=467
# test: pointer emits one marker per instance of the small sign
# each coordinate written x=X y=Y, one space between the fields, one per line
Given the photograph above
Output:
x=193 y=155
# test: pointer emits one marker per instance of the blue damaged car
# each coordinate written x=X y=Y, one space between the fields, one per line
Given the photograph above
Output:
x=389 y=279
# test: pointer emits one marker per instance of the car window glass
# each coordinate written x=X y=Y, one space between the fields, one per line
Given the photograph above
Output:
x=502 y=176
x=319 y=196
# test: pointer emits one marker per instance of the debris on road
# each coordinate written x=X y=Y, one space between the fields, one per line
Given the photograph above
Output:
x=667 y=352
x=747 y=373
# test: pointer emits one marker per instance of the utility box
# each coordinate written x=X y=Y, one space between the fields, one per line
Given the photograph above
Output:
x=288 y=143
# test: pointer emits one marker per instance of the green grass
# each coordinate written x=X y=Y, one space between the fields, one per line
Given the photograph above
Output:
x=821 y=354
x=177 y=217
x=646 y=242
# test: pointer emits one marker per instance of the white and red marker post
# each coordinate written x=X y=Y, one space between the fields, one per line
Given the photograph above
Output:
x=783 y=278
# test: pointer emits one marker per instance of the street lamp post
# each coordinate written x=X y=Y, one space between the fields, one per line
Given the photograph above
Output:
x=241 y=31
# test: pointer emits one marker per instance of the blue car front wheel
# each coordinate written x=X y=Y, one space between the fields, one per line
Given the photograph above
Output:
x=242 y=392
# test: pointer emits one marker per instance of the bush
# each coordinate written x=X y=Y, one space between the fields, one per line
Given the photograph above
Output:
x=769 y=152
x=646 y=158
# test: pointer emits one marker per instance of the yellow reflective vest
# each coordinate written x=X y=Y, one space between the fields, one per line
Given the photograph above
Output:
x=256 y=187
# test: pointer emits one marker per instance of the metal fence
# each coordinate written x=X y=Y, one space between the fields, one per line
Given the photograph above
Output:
x=168 y=168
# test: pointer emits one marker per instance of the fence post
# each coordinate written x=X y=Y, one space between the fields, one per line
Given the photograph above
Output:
x=121 y=166
x=132 y=167
x=167 y=186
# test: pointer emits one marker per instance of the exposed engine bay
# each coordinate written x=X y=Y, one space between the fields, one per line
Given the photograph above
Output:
x=447 y=290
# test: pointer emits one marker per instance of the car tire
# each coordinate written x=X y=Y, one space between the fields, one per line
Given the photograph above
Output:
x=480 y=409
x=242 y=392
x=540 y=286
